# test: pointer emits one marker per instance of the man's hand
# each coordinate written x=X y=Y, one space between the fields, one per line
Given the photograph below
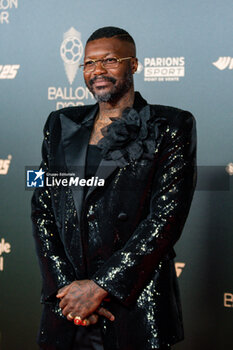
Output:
x=83 y=298
x=93 y=319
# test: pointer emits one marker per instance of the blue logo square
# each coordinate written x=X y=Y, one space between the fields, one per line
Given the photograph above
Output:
x=35 y=178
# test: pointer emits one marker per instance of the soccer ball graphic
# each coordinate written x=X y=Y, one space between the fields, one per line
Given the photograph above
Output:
x=71 y=50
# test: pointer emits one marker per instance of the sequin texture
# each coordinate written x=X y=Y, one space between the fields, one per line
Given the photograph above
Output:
x=121 y=235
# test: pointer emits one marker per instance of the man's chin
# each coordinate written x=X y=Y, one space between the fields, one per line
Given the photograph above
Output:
x=106 y=97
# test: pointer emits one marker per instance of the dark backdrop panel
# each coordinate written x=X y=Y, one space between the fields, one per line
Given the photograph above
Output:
x=186 y=60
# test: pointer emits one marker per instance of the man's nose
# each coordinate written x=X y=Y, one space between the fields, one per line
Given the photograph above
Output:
x=99 y=69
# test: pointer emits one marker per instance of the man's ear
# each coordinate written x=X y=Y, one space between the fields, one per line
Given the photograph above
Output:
x=134 y=64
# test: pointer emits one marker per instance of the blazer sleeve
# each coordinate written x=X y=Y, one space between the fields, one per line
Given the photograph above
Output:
x=56 y=269
x=129 y=270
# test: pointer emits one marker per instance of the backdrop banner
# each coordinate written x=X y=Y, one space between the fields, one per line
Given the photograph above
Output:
x=185 y=57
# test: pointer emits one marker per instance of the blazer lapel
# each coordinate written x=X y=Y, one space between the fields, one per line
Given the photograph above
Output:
x=75 y=138
x=107 y=167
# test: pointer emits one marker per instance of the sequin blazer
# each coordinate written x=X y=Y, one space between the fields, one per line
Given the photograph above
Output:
x=121 y=234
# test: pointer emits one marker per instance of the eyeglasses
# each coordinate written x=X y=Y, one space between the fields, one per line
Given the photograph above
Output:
x=108 y=63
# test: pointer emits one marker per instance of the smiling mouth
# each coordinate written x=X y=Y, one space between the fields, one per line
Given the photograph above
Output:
x=102 y=81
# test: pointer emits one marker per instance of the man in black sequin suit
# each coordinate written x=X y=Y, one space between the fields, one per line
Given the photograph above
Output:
x=106 y=253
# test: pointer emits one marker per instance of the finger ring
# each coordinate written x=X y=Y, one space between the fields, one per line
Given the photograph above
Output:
x=69 y=316
x=77 y=320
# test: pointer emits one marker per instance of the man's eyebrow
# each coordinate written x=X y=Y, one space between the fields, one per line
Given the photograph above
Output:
x=106 y=54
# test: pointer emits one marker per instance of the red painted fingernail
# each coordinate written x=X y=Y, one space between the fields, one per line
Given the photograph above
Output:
x=77 y=322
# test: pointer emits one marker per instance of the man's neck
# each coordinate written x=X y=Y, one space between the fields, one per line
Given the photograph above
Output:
x=112 y=110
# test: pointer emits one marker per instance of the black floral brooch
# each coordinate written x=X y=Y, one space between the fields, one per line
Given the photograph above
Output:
x=131 y=137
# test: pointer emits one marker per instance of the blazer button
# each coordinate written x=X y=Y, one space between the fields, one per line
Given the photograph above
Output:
x=122 y=216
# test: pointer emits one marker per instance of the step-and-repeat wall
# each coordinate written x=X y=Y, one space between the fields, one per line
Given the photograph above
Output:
x=185 y=57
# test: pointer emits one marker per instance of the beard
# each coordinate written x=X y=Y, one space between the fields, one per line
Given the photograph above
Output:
x=117 y=90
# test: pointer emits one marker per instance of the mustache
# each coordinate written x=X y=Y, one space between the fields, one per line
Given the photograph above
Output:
x=102 y=77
